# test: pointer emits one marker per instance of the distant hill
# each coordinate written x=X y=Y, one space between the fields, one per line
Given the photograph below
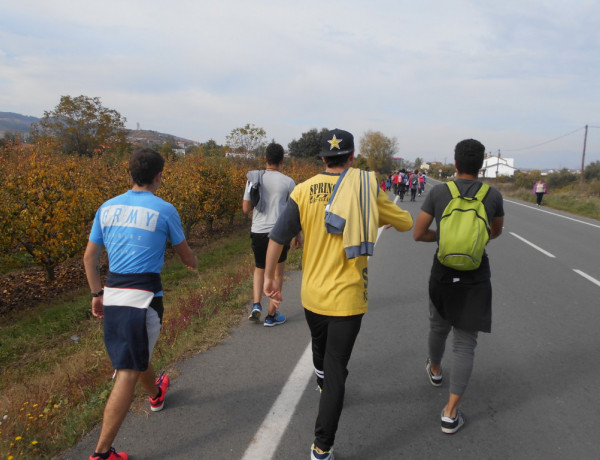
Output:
x=145 y=137
x=15 y=123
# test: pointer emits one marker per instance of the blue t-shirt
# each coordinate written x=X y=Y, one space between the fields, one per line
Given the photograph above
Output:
x=134 y=228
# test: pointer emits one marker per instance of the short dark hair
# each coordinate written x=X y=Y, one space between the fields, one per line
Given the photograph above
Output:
x=338 y=160
x=274 y=153
x=469 y=155
x=144 y=165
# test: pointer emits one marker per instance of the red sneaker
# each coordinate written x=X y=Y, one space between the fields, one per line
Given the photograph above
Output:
x=157 y=403
x=113 y=455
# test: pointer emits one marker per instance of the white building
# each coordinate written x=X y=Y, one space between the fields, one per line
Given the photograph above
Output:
x=494 y=166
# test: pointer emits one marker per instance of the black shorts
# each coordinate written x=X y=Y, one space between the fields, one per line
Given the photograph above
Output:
x=260 y=242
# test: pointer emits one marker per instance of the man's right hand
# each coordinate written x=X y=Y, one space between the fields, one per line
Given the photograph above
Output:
x=98 y=307
x=272 y=289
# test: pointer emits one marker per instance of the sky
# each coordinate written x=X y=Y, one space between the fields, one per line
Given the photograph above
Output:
x=520 y=76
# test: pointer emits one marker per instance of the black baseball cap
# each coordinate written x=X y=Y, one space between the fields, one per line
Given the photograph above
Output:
x=337 y=142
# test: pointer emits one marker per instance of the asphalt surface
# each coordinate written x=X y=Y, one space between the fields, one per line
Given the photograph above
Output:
x=532 y=393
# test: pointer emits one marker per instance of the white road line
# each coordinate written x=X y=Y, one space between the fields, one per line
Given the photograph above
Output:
x=269 y=434
x=532 y=245
x=553 y=213
x=587 y=277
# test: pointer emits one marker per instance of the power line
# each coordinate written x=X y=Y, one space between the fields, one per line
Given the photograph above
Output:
x=547 y=142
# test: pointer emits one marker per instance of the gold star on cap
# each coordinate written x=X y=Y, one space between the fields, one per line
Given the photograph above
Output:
x=334 y=143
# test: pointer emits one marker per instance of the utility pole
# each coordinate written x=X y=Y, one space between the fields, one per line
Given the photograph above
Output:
x=583 y=156
x=498 y=164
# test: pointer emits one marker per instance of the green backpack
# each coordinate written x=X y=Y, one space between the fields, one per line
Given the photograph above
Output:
x=464 y=230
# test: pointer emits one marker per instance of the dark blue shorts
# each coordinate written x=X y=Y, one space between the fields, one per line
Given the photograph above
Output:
x=132 y=318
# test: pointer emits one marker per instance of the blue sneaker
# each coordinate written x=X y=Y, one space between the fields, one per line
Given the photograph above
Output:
x=274 y=320
x=255 y=313
x=314 y=455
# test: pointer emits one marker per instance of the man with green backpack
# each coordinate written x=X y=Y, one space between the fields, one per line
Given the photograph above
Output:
x=468 y=214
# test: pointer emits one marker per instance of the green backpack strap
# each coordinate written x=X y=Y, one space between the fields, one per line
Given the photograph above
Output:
x=453 y=189
x=479 y=196
x=482 y=192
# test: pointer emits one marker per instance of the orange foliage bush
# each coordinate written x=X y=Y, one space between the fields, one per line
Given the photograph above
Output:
x=49 y=199
x=203 y=189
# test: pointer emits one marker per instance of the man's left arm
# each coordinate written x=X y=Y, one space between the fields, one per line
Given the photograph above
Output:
x=496 y=227
x=186 y=255
x=497 y=223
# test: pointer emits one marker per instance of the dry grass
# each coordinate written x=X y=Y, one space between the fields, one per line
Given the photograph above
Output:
x=573 y=199
x=55 y=372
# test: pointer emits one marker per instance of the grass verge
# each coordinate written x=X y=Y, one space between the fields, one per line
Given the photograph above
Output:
x=54 y=370
x=569 y=200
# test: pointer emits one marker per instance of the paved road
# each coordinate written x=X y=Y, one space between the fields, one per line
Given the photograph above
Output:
x=532 y=396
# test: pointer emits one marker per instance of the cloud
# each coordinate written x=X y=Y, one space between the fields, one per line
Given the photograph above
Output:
x=430 y=73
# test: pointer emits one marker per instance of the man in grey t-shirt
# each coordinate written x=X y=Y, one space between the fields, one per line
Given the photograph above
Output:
x=458 y=300
x=275 y=190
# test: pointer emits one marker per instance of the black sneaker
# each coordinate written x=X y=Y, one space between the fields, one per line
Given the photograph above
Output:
x=452 y=425
x=436 y=380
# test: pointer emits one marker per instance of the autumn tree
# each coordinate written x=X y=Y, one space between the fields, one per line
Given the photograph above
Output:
x=248 y=139
x=49 y=202
x=378 y=150
x=167 y=149
x=204 y=189
x=309 y=144
x=447 y=171
x=360 y=162
x=82 y=126
x=526 y=179
x=181 y=187
x=212 y=149
x=418 y=162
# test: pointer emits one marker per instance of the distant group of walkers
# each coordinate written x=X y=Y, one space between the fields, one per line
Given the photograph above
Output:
x=335 y=217
x=401 y=182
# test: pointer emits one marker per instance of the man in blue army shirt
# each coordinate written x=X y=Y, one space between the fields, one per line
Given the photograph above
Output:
x=134 y=229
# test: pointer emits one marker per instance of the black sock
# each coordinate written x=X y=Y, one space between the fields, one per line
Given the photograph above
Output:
x=103 y=456
x=159 y=393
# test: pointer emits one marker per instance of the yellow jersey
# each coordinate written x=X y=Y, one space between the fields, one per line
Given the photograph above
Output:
x=332 y=284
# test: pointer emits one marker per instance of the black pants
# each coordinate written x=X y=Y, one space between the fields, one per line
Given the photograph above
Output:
x=333 y=338
x=540 y=195
x=413 y=194
x=401 y=191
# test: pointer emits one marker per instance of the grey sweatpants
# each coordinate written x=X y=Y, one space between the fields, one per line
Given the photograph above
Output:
x=463 y=349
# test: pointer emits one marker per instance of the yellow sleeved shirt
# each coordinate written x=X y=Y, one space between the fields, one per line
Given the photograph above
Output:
x=332 y=284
